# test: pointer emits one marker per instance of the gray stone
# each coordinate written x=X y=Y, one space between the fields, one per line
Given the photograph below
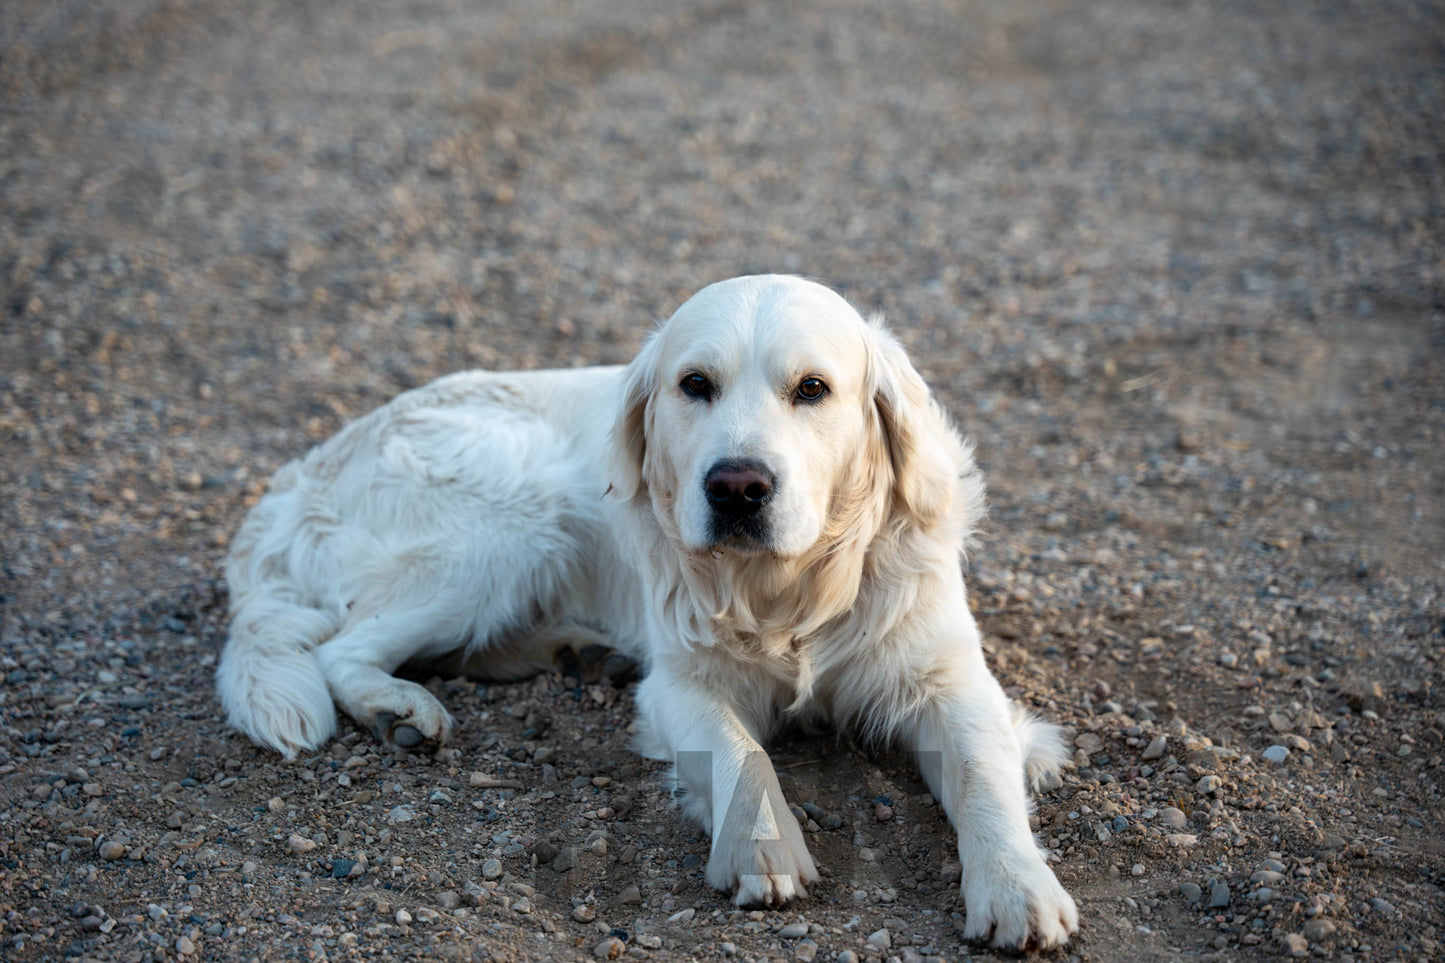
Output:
x=1276 y=755
x=1191 y=892
x=1173 y=818
x=1219 y=896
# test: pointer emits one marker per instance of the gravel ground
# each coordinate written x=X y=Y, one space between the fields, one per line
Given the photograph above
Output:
x=1178 y=269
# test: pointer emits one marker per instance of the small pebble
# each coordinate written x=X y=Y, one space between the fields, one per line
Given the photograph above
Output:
x=1276 y=755
x=793 y=931
x=610 y=948
x=1191 y=892
x=491 y=868
x=111 y=850
x=881 y=939
x=1318 y=930
x=1155 y=749
x=403 y=918
x=184 y=946
x=300 y=844
x=1295 y=945
x=1219 y=896
x=584 y=913
x=847 y=956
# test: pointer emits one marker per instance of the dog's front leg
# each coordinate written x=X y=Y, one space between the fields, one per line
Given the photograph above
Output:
x=970 y=754
x=726 y=781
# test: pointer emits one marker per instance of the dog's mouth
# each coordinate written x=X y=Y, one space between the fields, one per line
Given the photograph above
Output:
x=746 y=534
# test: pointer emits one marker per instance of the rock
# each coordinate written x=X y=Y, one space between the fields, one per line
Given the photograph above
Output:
x=832 y=821
x=609 y=948
x=794 y=931
x=1318 y=930
x=847 y=956
x=682 y=916
x=1382 y=906
x=403 y=918
x=184 y=946
x=299 y=844
x=1280 y=722
x=1208 y=784
x=1369 y=696
x=805 y=950
x=522 y=905
x=1295 y=945
x=630 y=895
x=1276 y=755
x=584 y=913
x=881 y=939
x=341 y=868
x=491 y=868
x=449 y=900
x=1268 y=877
x=1219 y=896
x=1172 y=818
x=566 y=859
x=1181 y=840
x=111 y=850
x=1191 y=892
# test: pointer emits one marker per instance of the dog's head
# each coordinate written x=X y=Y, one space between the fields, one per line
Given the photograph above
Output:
x=766 y=410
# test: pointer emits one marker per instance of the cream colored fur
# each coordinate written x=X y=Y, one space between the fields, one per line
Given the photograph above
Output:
x=490 y=518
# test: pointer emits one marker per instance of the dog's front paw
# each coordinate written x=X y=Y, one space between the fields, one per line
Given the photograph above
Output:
x=1016 y=903
x=763 y=872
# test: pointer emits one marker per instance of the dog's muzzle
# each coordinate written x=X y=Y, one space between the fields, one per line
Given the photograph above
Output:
x=737 y=492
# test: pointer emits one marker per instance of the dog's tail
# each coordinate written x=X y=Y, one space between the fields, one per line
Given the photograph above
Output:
x=269 y=680
x=1043 y=746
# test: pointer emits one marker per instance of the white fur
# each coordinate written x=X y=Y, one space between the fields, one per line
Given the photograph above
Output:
x=489 y=518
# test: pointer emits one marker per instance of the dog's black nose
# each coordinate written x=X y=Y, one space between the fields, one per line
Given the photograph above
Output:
x=737 y=488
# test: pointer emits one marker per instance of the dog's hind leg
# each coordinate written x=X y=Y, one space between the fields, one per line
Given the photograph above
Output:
x=358 y=663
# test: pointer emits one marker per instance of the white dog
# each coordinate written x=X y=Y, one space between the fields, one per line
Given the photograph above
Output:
x=766 y=507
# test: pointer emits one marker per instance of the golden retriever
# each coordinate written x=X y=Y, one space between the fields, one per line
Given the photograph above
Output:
x=767 y=508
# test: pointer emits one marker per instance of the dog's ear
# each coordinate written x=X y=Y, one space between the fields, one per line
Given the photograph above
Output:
x=921 y=445
x=629 y=432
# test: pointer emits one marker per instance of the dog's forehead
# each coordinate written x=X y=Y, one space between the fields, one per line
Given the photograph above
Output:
x=770 y=316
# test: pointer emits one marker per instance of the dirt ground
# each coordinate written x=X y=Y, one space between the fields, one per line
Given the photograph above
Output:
x=1177 y=268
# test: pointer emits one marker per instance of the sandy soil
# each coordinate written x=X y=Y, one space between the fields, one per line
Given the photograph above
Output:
x=1178 y=269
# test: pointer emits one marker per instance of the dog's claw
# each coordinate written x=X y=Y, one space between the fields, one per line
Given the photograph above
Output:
x=381 y=725
x=407 y=737
x=392 y=733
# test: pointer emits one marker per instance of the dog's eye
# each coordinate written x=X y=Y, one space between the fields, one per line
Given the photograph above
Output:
x=695 y=385
x=811 y=389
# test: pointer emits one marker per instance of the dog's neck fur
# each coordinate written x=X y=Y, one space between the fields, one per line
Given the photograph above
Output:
x=765 y=609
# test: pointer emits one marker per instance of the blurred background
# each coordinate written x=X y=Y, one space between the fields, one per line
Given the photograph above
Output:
x=1178 y=268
